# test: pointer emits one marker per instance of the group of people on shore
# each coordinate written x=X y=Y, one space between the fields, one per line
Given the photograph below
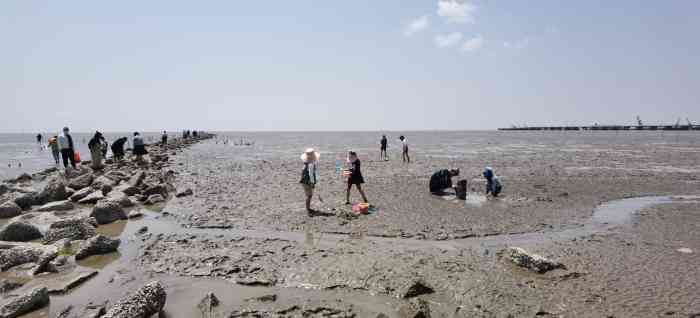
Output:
x=440 y=181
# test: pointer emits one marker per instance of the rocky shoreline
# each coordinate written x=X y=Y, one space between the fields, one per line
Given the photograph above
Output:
x=53 y=218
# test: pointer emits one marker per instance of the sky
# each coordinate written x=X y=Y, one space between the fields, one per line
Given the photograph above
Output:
x=345 y=65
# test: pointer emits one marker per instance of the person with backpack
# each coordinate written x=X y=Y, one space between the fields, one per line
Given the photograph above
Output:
x=309 y=175
x=55 y=151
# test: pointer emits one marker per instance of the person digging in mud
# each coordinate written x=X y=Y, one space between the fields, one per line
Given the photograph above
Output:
x=493 y=183
x=354 y=175
x=442 y=180
x=309 y=176
x=118 y=148
x=139 y=147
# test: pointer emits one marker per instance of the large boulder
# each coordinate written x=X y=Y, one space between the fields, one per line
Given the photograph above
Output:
x=92 y=198
x=19 y=255
x=147 y=301
x=72 y=229
x=106 y=212
x=121 y=198
x=137 y=179
x=19 y=231
x=531 y=261
x=97 y=245
x=102 y=182
x=55 y=190
x=81 y=182
x=26 y=200
x=26 y=303
x=24 y=177
x=64 y=205
x=9 y=209
x=81 y=194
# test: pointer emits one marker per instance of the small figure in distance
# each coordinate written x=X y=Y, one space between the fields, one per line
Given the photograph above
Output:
x=164 y=139
x=404 y=145
x=382 y=152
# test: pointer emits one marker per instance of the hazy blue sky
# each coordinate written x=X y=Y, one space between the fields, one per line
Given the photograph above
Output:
x=345 y=65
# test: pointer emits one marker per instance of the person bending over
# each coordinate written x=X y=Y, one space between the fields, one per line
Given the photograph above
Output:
x=442 y=180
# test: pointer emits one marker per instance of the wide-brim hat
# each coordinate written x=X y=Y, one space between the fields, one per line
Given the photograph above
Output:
x=310 y=155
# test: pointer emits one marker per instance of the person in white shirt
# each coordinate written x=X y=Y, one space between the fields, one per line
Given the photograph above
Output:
x=404 y=155
x=65 y=143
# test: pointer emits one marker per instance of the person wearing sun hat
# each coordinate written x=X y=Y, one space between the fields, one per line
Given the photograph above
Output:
x=309 y=176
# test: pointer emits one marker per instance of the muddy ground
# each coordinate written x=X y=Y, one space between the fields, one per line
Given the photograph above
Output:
x=244 y=233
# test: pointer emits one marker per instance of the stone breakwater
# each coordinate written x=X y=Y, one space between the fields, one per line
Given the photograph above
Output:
x=52 y=218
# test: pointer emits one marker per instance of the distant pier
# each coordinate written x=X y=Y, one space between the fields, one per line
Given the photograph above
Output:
x=608 y=127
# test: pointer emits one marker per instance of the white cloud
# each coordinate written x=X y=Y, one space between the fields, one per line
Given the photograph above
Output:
x=456 y=12
x=448 y=40
x=473 y=44
x=517 y=45
x=417 y=25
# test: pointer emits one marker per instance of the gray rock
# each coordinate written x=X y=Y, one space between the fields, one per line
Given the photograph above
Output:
x=25 y=177
x=65 y=205
x=43 y=263
x=72 y=229
x=26 y=200
x=8 y=285
x=9 y=209
x=147 y=301
x=92 y=198
x=531 y=261
x=81 y=182
x=55 y=190
x=81 y=194
x=19 y=255
x=121 y=198
x=106 y=212
x=127 y=189
x=135 y=214
x=97 y=245
x=416 y=308
x=117 y=176
x=20 y=231
x=90 y=311
x=414 y=287
x=142 y=230
x=32 y=300
x=156 y=189
x=184 y=193
x=155 y=198
x=4 y=189
x=100 y=182
x=137 y=179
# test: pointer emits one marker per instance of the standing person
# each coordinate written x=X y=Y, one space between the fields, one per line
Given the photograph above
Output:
x=139 y=147
x=55 y=151
x=118 y=148
x=65 y=142
x=354 y=176
x=493 y=183
x=95 y=145
x=38 y=141
x=309 y=176
x=383 y=144
x=164 y=139
x=404 y=154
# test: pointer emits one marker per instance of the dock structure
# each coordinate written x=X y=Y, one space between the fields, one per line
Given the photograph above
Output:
x=608 y=127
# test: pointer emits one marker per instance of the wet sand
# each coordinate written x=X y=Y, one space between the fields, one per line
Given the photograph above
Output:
x=245 y=233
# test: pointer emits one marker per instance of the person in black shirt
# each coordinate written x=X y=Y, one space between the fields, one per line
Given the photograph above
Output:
x=382 y=152
x=118 y=148
x=442 y=180
x=354 y=175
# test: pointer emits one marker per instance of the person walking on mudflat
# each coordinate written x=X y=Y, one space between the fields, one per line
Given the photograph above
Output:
x=55 y=151
x=382 y=152
x=404 y=145
x=354 y=175
x=309 y=175
x=65 y=142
